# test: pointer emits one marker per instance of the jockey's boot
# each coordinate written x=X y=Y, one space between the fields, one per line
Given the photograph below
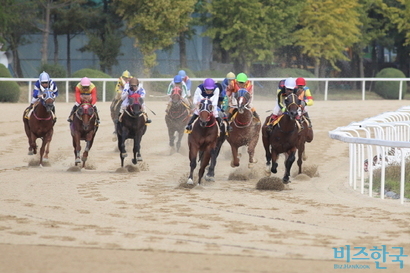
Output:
x=229 y=117
x=189 y=125
x=28 y=110
x=256 y=116
x=272 y=118
x=168 y=106
x=54 y=112
x=147 y=120
x=97 y=121
x=308 y=119
x=220 y=123
x=70 y=117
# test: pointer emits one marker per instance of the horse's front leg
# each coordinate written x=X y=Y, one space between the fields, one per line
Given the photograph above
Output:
x=32 y=144
x=178 y=144
x=193 y=151
x=137 y=149
x=274 y=157
x=235 y=158
x=288 y=165
x=77 y=149
x=251 y=150
x=301 y=151
x=171 y=135
x=204 y=162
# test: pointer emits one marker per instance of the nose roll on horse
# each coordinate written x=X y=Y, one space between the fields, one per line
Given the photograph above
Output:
x=41 y=125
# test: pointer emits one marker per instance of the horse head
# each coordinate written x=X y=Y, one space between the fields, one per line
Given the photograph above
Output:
x=47 y=99
x=135 y=104
x=243 y=99
x=205 y=109
x=176 y=95
x=292 y=103
x=85 y=113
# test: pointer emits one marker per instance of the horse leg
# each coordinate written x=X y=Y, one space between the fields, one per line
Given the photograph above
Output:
x=77 y=149
x=204 y=162
x=210 y=176
x=235 y=158
x=137 y=149
x=32 y=143
x=180 y=135
x=251 y=151
x=301 y=152
x=193 y=151
x=171 y=134
x=288 y=165
x=274 y=157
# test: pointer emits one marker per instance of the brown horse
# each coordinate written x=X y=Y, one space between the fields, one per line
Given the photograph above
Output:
x=83 y=127
x=177 y=117
x=284 y=137
x=41 y=125
x=245 y=128
x=131 y=125
x=202 y=139
x=306 y=135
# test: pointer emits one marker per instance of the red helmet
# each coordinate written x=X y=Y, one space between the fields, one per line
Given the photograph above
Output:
x=300 y=81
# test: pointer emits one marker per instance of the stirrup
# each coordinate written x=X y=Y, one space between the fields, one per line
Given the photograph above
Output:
x=148 y=121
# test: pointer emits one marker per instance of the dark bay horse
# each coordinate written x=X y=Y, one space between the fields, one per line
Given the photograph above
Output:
x=203 y=138
x=284 y=137
x=41 y=125
x=83 y=127
x=305 y=135
x=245 y=128
x=177 y=117
x=131 y=126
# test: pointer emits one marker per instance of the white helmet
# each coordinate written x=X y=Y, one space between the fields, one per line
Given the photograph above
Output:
x=290 y=83
x=44 y=77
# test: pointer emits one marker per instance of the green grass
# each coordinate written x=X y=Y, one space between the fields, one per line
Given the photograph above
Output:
x=392 y=179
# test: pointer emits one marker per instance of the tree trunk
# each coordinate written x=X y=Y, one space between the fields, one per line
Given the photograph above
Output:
x=182 y=51
x=46 y=33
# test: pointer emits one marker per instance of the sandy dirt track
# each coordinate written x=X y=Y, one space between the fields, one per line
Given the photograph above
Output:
x=100 y=220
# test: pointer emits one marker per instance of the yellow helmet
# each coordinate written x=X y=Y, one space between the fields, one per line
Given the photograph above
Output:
x=230 y=76
x=126 y=74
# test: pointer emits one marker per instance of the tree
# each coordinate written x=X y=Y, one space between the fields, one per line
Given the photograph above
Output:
x=250 y=30
x=154 y=24
x=327 y=28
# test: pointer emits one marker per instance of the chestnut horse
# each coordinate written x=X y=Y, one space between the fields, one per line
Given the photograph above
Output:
x=41 y=125
x=131 y=125
x=83 y=127
x=284 y=137
x=202 y=139
x=177 y=117
x=245 y=128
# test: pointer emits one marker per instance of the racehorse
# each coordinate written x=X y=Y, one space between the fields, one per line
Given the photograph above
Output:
x=284 y=137
x=245 y=128
x=41 y=125
x=305 y=135
x=83 y=127
x=131 y=125
x=203 y=138
x=177 y=117
x=115 y=108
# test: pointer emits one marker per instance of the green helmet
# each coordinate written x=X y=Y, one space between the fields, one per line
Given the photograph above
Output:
x=241 y=77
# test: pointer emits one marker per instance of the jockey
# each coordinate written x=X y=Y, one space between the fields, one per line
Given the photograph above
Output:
x=304 y=95
x=225 y=83
x=285 y=87
x=206 y=90
x=125 y=77
x=84 y=88
x=187 y=81
x=133 y=87
x=241 y=82
x=177 y=82
x=44 y=81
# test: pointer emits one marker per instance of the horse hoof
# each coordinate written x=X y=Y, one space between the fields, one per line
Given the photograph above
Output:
x=286 y=180
x=210 y=178
x=77 y=161
x=134 y=161
x=190 y=181
x=124 y=155
x=139 y=158
x=30 y=153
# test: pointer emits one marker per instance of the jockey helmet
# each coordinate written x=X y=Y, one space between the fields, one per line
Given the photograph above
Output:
x=281 y=84
x=230 y=76
x=241 y=77
x=177 y=79
x=182 y=73
x=134 y=81
x=126 y=74
x=85 y=81
x=209 y=84
x=300 y=81
x=290 y=83
x=44 y=77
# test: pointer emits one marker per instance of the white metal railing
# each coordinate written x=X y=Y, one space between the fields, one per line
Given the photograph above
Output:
x=105 y=80
x=377 y=142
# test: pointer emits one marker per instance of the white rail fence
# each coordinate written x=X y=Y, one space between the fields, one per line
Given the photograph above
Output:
x=376 y=143
x=326 y=81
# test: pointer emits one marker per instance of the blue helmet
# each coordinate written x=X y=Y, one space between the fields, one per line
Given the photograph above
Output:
x=182 y=73
x=177 y=79
x=44 y=77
